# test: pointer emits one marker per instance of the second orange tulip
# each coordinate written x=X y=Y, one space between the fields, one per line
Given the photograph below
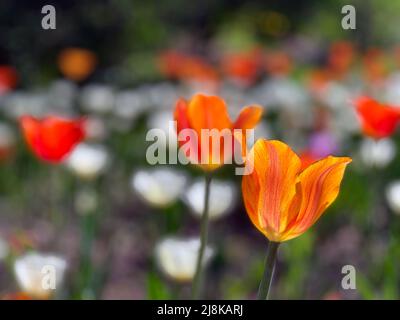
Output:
x=282 y=199
x=210 y=113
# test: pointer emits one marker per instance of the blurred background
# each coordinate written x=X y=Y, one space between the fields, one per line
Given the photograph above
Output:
x=122 y=229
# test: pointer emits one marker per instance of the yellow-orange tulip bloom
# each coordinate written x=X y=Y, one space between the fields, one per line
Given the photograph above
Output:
x=282 y=199
x=210 y=112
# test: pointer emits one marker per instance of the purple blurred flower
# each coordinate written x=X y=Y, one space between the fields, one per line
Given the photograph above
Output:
x=322 y=144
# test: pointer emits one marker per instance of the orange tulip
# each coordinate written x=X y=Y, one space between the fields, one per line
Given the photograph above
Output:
x=187 y=68
x=210 y=112
x=375 y=65
x=282 y=199
x=378 y=120
x=278 y=63
x=17 y=296
x=318 y=80
x=341 y=56
x=170 y=63
x=243 y=67
x=77 y=63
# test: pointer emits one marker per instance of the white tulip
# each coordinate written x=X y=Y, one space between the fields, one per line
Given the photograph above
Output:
x=345 y=121
x=159 y=187
x=162 y=95
x=177 y=258
x=88 y=161
x=129 y=104
x=221 y=200
x=377 y=153
x=97 y=98
x=19 y=103
x=39 y=275
x=95 y=128
x=62 y=94
x=393 y=196
x=284 y=93
x=392 y=89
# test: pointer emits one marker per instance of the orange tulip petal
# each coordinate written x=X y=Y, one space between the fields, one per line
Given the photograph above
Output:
x=251 y=192
x=318 y=187
x=249 y=117
x=182 y=123
x=180 y=115
x=269 y=190
x=208 y=112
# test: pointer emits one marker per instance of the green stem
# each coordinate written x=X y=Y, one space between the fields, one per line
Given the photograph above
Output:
x=86 y=270
x=203 y=240
x=54 y=197
x=88 y=225
x=266 y=280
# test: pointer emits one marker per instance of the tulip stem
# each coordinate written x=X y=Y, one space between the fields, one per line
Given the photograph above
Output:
x=203 y=240
x=54 y=196
x=266 y=280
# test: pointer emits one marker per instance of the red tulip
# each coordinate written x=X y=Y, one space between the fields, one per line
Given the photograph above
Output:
x=52 y=138
x=8 y=79
x=378 y=120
